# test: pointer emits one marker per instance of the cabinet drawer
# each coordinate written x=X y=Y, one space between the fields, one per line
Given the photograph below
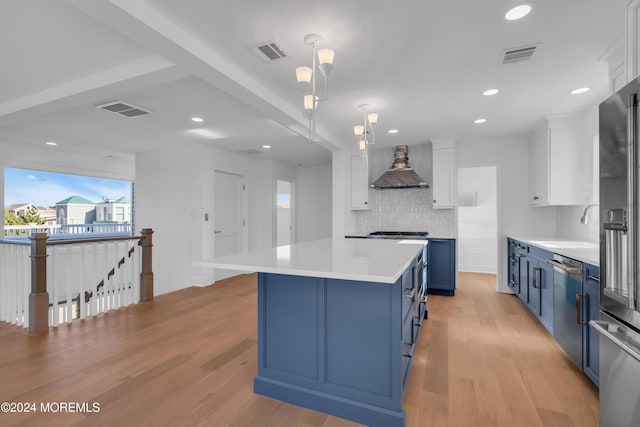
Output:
x=407 y=330
x=539 y=253
x=591 y=274
x=408 y=298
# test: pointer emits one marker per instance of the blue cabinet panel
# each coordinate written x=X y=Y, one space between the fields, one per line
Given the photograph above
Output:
x=291 y=324
x=353 y=338
x=442 y=266
x=546 y=295
x=591 y=311
x=523 y=288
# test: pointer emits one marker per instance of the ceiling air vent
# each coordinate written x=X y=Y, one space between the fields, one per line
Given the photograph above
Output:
x=269 y=51
x=509 y=56
x=123 y=109
x=251 y=151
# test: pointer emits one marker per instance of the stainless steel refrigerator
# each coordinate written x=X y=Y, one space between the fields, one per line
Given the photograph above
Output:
x=619 y=324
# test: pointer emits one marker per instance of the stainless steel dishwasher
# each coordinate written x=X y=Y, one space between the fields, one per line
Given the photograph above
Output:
x=567 y=305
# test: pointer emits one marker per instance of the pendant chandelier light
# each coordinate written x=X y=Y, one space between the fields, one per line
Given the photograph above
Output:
x=306 y=76
x=365 y=132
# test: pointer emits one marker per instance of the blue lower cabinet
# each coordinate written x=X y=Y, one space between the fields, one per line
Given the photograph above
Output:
x=545 y=277
x=338 y=346
x=556 y=300
x=512 y=266
x=442 y=267
x=591 y=311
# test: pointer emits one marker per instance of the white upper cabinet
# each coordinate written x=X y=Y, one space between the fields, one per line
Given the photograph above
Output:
x=539 y=167
x=359 y=183
x=633 y=42
x=444 y=167
x=555 y=175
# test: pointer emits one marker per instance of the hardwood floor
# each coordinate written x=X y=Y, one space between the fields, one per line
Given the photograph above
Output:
x=189 y=358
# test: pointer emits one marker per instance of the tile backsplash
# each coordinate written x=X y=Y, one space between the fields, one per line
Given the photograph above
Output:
x=408 y=209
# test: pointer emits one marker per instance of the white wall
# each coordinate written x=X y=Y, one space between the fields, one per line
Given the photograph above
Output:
x=515 y=217
x=56 y=159
x=314 y=202
x=185 y=177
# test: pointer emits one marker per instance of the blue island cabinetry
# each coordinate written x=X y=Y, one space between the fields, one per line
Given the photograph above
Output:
x=338 y=321
x=343 y=347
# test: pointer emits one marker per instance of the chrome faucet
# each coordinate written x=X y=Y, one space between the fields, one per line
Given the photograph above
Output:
x=585 y=214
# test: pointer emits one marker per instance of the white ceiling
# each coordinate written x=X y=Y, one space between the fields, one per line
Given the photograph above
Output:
x=421 y=65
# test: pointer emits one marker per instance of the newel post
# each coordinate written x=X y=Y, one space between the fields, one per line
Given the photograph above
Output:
x=146 y=275
x=39 y=297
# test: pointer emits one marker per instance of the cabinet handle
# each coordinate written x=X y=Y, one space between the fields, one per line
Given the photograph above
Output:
x=366 y=203
x=578 y=306
x=594 y=278
x=434 y=201
x=535 y=197
x=535 y=278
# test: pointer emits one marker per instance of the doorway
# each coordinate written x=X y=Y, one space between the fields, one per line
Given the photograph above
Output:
x=229 y=218
x=285 y=224
x=477 y=219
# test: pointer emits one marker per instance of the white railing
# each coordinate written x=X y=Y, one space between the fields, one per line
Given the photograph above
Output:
x=44 y=282
x=90 y=278
x=66 y=230
x=15 y=283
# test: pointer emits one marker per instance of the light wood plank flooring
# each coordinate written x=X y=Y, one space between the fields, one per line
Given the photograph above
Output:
x=189 y=358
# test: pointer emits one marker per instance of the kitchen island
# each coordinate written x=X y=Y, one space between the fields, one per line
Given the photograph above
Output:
x=338 y=320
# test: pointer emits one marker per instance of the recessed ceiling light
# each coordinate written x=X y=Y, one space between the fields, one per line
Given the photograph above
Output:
x=490 y=92
x=266 y=146
x=51 y=143
x=197 y=119
x=579 y=90
x=480 y=121
x=519 y=11
x=393 y=131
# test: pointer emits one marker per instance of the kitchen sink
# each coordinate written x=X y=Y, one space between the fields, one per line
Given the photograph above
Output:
x=566 y=244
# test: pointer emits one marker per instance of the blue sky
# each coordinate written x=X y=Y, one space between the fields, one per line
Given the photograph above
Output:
x=47 y=188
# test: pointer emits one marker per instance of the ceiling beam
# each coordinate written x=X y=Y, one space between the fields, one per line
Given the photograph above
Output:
x=147 y=71
x=149 y=28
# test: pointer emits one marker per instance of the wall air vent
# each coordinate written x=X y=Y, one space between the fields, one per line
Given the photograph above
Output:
x=510 y=56
x=269 y=51
x=123 y=109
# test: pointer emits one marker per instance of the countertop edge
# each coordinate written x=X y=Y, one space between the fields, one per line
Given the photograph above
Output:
x=568 y=252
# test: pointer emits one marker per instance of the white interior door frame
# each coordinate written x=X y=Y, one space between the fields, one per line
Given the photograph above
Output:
x=292 y=208
x=500 y=274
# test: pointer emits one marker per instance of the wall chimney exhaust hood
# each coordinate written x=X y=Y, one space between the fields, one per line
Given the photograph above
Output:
x=400 y=174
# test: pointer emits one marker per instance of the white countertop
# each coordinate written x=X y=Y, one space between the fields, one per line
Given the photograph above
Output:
x=370 y=260
x=588 y=252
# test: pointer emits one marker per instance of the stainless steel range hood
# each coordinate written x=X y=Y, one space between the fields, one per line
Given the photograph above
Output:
x=400 y=174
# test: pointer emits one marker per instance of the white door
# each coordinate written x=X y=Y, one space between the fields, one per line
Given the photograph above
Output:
x=284 y=213
x=478 y=219
x=228 y=218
